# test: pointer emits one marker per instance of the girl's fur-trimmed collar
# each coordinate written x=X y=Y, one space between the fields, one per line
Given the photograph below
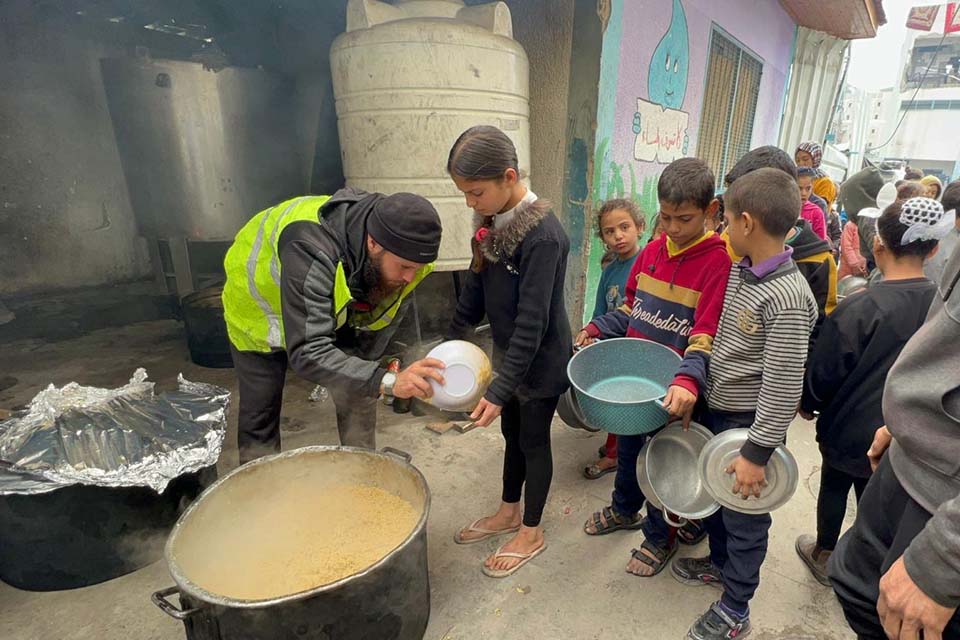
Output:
x=503 y=242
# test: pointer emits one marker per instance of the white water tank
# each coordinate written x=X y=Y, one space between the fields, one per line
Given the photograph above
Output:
x=408 y=78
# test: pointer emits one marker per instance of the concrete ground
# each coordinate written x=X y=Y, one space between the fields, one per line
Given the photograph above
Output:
x=577 y=589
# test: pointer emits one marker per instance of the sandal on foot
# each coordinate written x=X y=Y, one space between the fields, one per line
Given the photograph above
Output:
x=658 y=562
x=692 y=533
x=594 y=471
x=486 y=534
x=524 y=559
x=614 y=522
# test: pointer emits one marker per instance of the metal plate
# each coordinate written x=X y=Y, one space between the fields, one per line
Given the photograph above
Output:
x=783 y=474
x=671 y=465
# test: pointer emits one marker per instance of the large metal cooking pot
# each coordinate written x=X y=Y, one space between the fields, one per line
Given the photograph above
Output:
x=388 y=600
x=206 y=329
x=620 y=384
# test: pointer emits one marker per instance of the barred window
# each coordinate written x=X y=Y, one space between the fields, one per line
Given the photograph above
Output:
x=729 y=104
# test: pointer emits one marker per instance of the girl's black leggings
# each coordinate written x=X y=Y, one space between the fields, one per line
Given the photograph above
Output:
x=832 y=503
x=528 y=459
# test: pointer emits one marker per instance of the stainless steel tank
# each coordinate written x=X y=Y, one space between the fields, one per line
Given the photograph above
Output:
x=202 y=152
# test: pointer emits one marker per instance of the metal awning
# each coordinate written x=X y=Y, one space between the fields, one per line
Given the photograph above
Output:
x=846 y=19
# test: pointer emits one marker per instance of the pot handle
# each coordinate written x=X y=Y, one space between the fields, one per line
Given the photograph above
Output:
x=159 y=598
x=680 y=522
x=403 y=455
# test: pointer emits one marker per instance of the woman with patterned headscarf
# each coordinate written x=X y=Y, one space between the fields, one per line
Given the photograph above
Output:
x=810 y=154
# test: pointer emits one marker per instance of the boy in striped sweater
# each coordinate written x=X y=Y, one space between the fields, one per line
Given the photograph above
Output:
x=754 y=381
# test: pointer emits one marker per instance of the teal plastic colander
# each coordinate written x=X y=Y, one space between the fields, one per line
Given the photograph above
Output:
x=620 y=384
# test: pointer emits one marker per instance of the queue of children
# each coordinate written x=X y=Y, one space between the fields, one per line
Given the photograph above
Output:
x=847 y=371
x=760 y=334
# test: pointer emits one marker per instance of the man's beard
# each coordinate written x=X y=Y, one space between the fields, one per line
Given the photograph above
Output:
x=374 y=284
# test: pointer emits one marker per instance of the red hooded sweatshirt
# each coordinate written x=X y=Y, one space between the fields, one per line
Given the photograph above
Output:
x=675 y=299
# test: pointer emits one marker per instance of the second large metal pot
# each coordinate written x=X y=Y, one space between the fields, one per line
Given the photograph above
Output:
x=81 y=535
x=388 y=600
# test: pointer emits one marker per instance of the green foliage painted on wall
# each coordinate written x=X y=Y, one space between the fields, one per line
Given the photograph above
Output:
x=613 y=180
x=609 y=183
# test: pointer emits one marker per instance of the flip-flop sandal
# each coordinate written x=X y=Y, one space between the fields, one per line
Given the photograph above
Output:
x=486 y=533
x=524 y=559
x=662 y=557
x=692 y=533
x=593 y=471
x=614 y=522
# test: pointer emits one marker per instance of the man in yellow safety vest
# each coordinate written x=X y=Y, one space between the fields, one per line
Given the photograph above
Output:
x=320 y=283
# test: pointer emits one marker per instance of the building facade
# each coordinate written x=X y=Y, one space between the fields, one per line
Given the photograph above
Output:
x=928 y=137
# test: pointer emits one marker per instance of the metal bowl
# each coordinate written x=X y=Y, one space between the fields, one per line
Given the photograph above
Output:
x=782 y=473
x=643 y=479
x=672 y=470
x=569 y=411
x=620 y=384
x=850 y=285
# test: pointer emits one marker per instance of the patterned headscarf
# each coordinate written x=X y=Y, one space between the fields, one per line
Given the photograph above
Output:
x=816 y=152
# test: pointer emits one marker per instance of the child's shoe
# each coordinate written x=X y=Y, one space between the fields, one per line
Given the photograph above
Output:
x=720 y=623
x=696 y=572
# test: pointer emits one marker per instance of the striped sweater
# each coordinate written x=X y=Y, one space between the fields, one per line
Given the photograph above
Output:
x=760 y=352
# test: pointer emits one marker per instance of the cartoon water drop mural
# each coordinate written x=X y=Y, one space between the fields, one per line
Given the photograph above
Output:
x=667 y=80
x=659 y=123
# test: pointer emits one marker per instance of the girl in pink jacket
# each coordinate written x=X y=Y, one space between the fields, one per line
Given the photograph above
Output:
x=852 y=263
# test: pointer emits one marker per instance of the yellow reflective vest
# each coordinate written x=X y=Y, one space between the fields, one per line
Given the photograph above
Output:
x=251 y=295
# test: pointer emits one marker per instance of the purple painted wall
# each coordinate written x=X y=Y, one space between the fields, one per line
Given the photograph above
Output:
x=761 y=26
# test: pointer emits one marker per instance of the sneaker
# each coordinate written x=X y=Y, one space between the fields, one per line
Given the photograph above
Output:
x=696 y=572
x=814 y=557
x=717 y=623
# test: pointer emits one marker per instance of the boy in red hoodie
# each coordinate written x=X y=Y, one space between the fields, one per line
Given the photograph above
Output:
x=674 y=296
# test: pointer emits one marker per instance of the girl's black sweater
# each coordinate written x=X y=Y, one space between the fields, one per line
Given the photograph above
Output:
x=520 y=290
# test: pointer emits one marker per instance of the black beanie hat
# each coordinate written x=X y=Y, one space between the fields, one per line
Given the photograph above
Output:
x=406 y=225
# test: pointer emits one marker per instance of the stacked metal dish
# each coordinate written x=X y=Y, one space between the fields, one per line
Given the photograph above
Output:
x=667 y=470
x=684 y=474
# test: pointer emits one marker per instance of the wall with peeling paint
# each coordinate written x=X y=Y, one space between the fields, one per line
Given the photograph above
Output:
x=65 y=216
x=545 y=30
x=558 y=123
